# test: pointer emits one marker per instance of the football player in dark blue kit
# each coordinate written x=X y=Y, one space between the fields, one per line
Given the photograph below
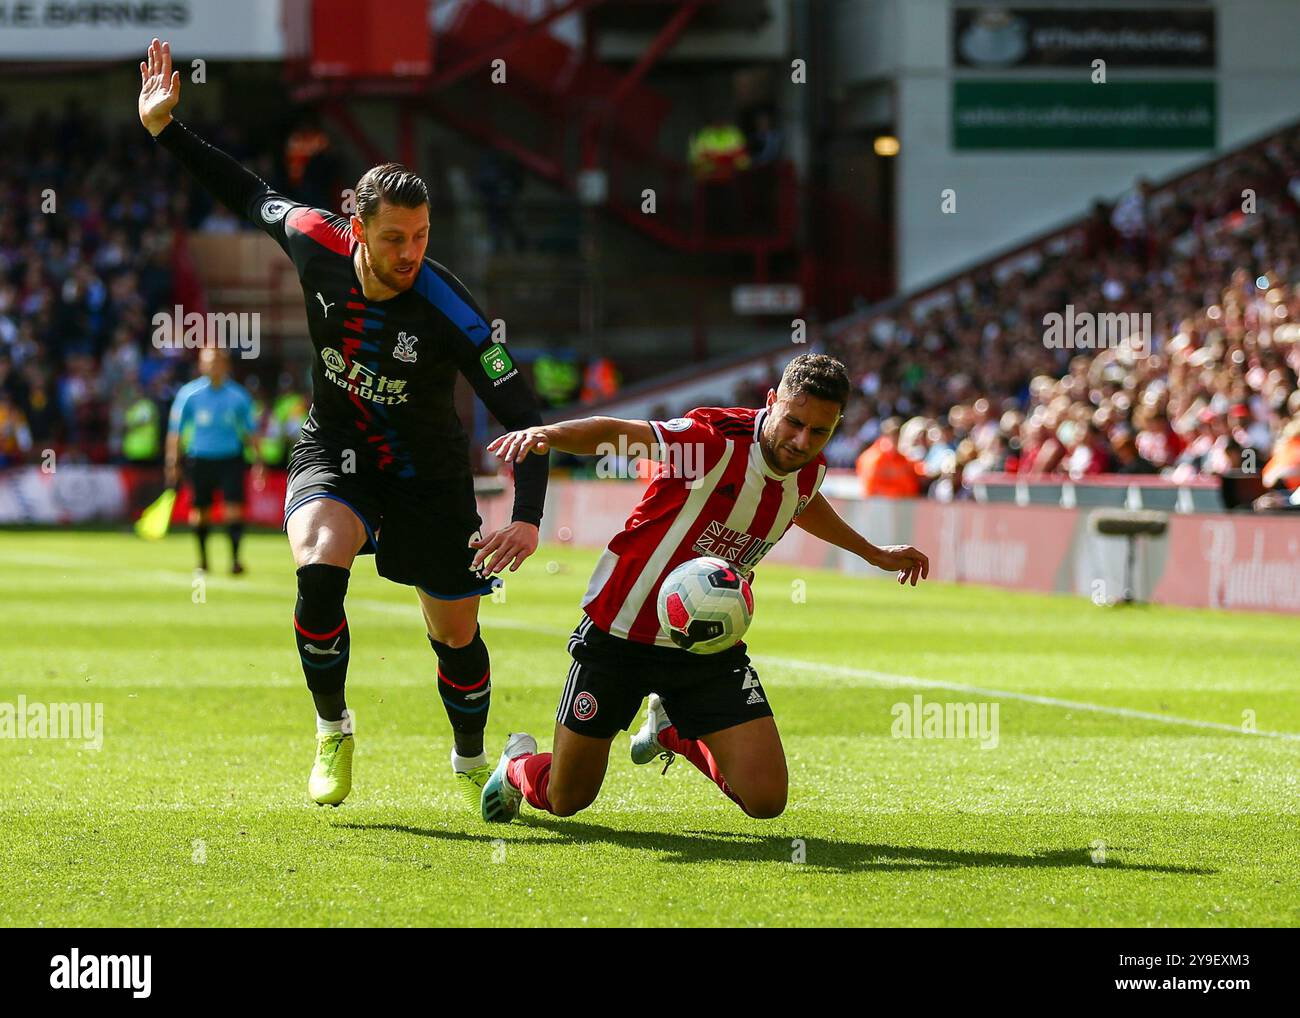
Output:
x=383 y=464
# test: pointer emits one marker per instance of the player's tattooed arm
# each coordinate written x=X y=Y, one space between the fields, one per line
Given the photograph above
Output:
x=589 y=436
x=820 y=519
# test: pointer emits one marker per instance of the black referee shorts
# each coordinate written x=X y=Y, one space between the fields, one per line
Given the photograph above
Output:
x=702 y=693
x=418 y=529
x=224 y=473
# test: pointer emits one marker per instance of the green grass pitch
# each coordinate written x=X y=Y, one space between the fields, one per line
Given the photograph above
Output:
x=1122 y=790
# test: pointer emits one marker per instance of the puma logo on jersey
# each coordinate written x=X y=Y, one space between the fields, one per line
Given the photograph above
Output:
x=324 y=305
x=322 y=651
x=405 y=349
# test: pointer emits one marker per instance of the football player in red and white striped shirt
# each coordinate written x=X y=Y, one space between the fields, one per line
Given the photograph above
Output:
x=731 y=482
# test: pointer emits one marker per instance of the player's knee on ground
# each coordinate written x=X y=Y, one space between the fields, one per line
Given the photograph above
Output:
x=766 y=805
x=565 y=801
x=574 y=791
x=762 y=795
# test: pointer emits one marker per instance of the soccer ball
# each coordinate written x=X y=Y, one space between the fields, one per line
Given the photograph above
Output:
x=705 y=605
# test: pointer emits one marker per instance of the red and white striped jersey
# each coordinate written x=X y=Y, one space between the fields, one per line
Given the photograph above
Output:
x=714 y=494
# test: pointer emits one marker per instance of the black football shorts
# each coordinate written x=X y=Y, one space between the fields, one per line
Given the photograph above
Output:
x=418 y=529
x=224 y=474
x=702 y=693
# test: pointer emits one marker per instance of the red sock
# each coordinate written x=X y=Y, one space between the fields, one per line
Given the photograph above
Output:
x=531 y=774
x=697 y=753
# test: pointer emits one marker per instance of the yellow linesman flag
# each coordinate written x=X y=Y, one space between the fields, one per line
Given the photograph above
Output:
x=152 y=524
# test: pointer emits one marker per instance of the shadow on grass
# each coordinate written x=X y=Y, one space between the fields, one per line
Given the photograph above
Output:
x=836 y=856
x=488 y=836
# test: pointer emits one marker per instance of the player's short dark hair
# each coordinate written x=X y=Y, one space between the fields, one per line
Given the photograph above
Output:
x=818 y=375
x=393 y=183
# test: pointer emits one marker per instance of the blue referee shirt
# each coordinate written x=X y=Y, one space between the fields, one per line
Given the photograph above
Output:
x=220 y=417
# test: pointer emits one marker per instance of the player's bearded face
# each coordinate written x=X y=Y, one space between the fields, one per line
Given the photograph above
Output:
x=395 y=240
x=797 y=428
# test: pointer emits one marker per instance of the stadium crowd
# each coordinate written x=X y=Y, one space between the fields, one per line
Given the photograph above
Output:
x=952 y=384
x=961 y=383
x=93 y=228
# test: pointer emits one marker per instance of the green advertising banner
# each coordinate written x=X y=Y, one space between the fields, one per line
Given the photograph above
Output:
x=1079 y=114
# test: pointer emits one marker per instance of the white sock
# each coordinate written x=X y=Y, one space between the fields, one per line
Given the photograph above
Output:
x=461 y=764
x=340 y=727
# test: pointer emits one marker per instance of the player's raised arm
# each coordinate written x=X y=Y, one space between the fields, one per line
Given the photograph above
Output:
x=230 y=183
x=160 y=88
x=590 y=436
x=821 y=520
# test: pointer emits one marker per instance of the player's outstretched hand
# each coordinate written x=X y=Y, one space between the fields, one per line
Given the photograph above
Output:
x=160 y=88
x=513 y=446
x=909 y=563
x=508 y=546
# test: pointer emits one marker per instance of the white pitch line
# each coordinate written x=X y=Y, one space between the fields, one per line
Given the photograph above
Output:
x=798 y=664
x=887 y=679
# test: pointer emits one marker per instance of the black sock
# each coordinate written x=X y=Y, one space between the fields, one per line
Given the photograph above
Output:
x=236 y=531
x=201 y=535
x=330 y=706
x=320 y=630
x=465 y=684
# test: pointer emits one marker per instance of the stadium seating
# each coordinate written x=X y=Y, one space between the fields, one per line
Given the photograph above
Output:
x=1217 y=390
